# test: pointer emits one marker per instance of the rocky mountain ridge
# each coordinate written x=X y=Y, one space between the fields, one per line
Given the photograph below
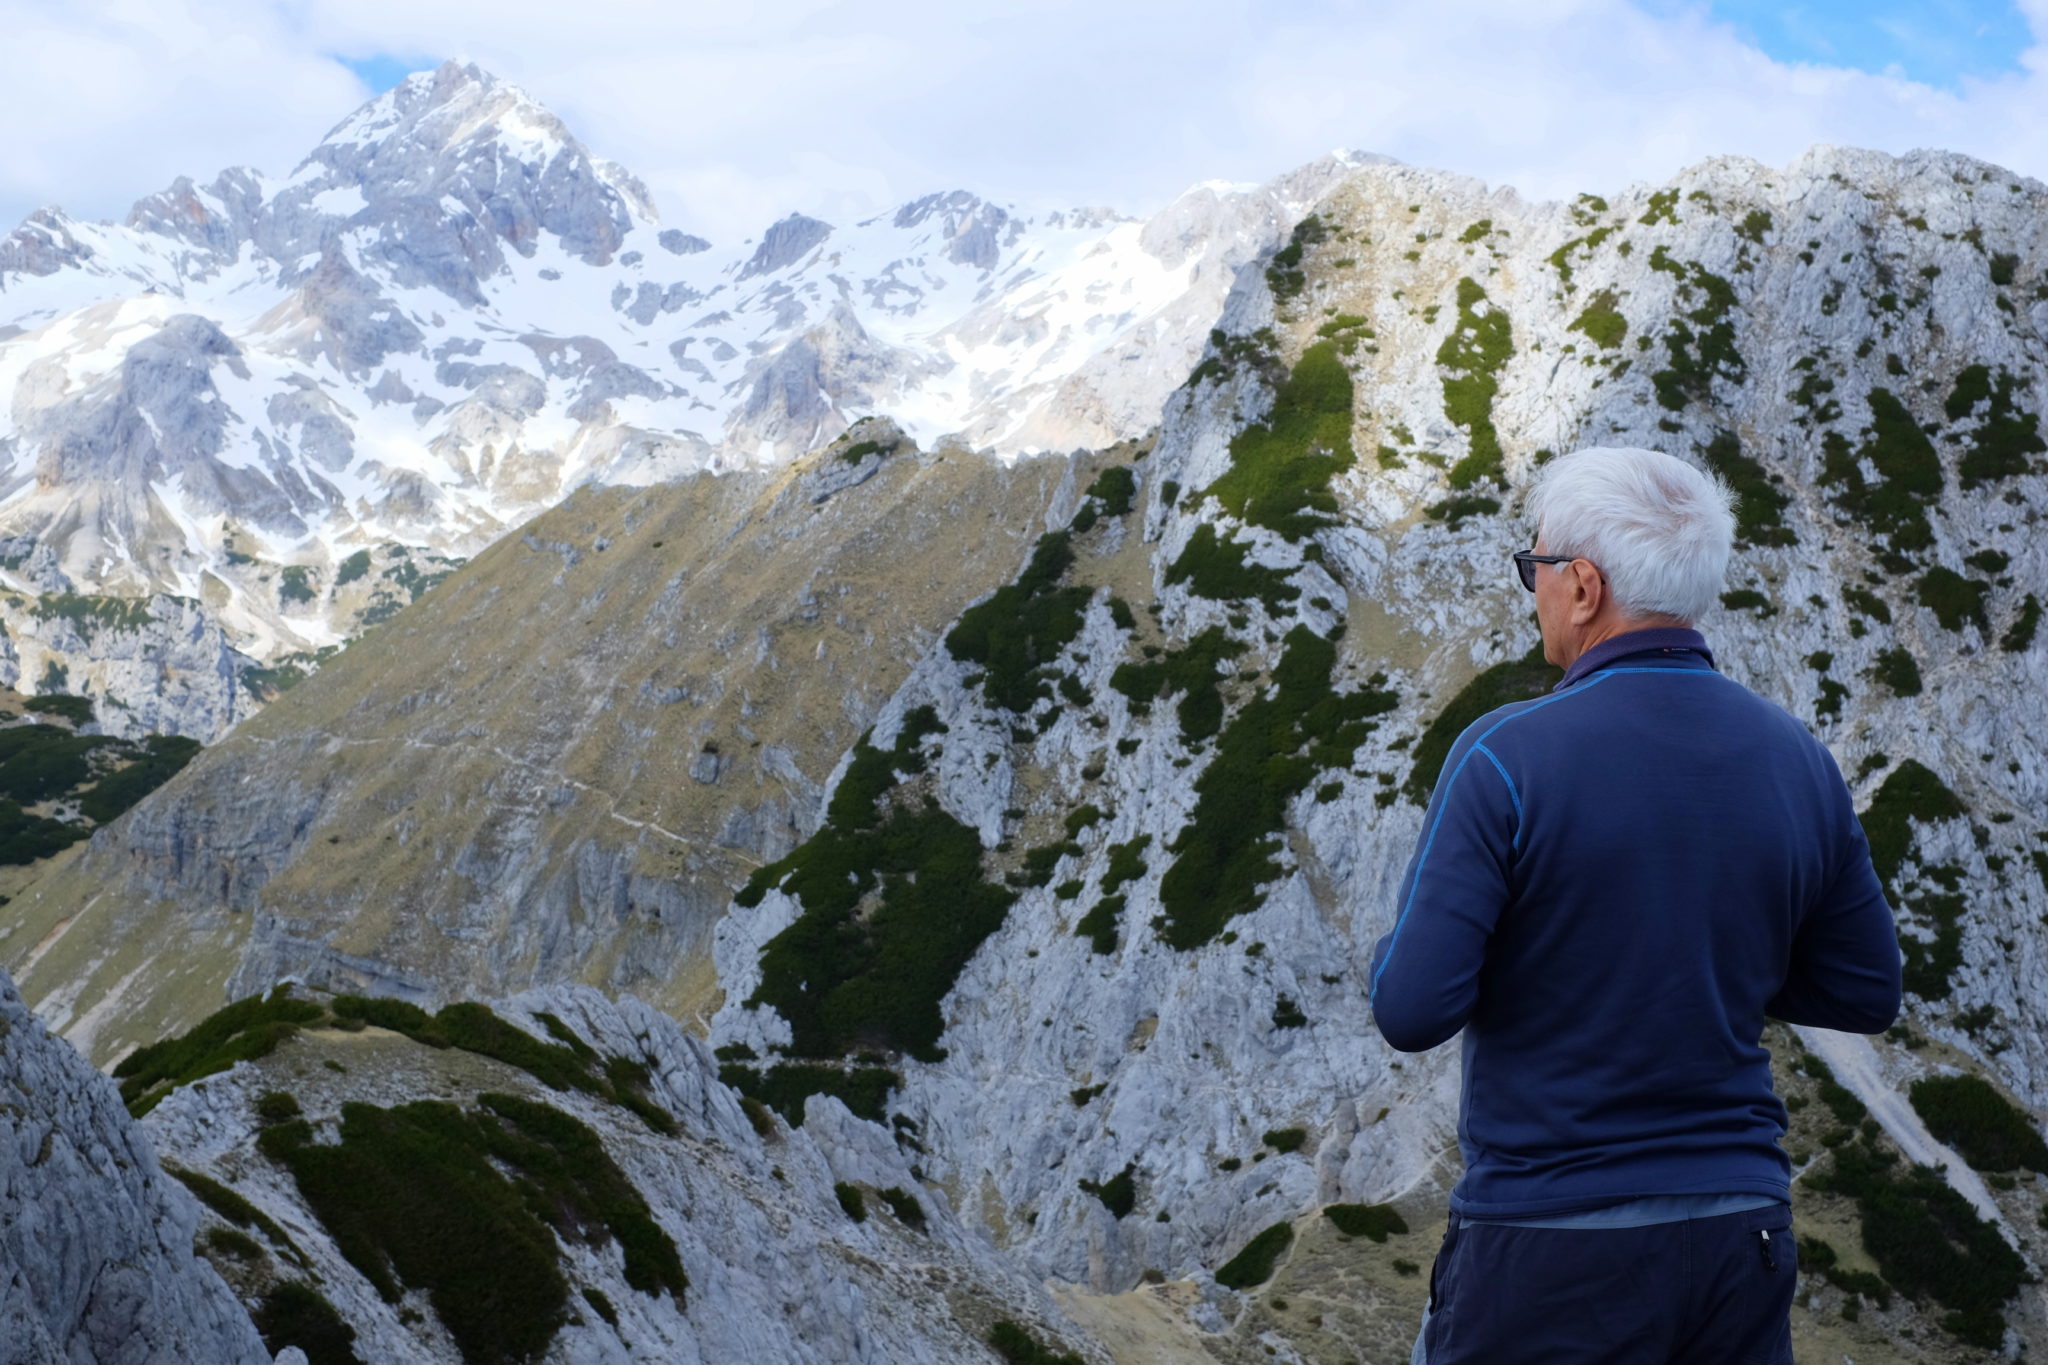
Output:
x=1084 y=871
x=275 y=410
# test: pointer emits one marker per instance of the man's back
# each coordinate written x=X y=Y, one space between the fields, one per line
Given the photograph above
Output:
x=1615 y=885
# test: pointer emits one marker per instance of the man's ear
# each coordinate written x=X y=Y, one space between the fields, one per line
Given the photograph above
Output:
x=1589 y=592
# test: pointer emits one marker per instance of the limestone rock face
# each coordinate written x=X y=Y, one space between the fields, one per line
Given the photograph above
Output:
x=777 y=1268
x=96 y=1258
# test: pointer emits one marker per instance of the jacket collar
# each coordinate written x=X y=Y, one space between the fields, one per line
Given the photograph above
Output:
x=1663 y=641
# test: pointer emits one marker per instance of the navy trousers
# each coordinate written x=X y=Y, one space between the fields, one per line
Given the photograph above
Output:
x=1703 y=1291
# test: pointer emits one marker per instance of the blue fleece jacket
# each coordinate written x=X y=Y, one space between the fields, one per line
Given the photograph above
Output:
x=1615 y=885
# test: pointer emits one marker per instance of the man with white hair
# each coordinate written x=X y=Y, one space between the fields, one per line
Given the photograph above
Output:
x=1616 y=884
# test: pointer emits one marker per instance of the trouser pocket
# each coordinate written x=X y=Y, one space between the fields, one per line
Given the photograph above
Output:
x=1439 y=1266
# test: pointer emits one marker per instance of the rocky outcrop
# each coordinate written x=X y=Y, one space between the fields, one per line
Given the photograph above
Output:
x=96 y=1259
x=761 y=1214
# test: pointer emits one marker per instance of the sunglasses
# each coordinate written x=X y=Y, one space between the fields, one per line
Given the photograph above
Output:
x=1527 y=560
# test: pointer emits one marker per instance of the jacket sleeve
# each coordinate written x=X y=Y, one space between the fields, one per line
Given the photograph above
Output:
x=1845 y=969
x=1425 y=971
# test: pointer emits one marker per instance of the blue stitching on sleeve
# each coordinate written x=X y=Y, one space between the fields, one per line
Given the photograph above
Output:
x=1513 y=795
x=1421 y=862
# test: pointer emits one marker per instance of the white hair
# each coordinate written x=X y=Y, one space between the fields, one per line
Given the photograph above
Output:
x=1659 y=528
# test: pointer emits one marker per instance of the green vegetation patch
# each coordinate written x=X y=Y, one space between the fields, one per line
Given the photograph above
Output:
x=24 y=838
x=250 y=1028
x=1927 y=1240
x=1366 y=1220
x=1759 y=505
x=570 y=1065
x=2006 y=434
x=1254 y=1265
x=1268 y=754
x=847 y=976
x=1561 y=259
x=1894 y=504
x=1114 y=488
x=1954 y=599
x=295 y=584
x=1816 y=1255
x=1601 y=321
x=1022 y=627
x=1219 y=569
x=1285 y=275
x=1516 y=680
x=1988 y=1130
x=1472 y=357
x=1018 y=1347
x=1699 y=345
x=417 y=1197
x=38 y=762
x=1456 y=511
x=1119 y=1193
x=2021 y=633
x=89 y=613
x=1098 y=926
x=1280 y=469
x=784 y=1087
x=161 y=758
x=63 y=705
x=1898 y=671
x=1191 y=671
x=1126 y=863
x=293 y=1313
x=235 y=1209
x=355 y=566
x=1910 y=794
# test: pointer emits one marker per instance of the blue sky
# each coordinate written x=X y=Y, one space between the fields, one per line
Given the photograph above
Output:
x=738 y=112
x=1934 y=41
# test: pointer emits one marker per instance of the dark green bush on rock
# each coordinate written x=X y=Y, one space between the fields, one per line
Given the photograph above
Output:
x=1928 y=1241
x=1280 y=469
x=250 y=1028
x=1220 y=570
x=1022 y=627
x=417 y=1197
x=293 y=1313
x=1268 y=754
x=1969 y=1114
x=1119 y=1193
x=1254 y=1265
x=1018 y=1347
x=1366 y=1220
x=1910 y=794
x=1193 y=671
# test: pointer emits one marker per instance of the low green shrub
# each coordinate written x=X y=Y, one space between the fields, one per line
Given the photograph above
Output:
x=1268 y=754
x=1254 y=1265
x=293 y=1313
x=1969 y=1114
x=904 y=1205
x=1219 y=569
x=1366 y=1220
x=1193 y=671
x=851 y=1200
x=1119 y=1193
x=250 y=1028
x=1280 y=469
x=1285 y=1139
x=1099 y=925
x=1018 y=1347
x=1022 y=627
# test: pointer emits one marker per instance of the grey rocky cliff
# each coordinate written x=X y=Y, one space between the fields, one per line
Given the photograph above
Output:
x=96 y=1260
x=777 y=1269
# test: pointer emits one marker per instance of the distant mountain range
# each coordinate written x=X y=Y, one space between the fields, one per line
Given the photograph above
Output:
x=288 y=404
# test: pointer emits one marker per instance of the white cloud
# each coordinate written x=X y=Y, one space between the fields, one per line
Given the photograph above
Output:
x=738 y=112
